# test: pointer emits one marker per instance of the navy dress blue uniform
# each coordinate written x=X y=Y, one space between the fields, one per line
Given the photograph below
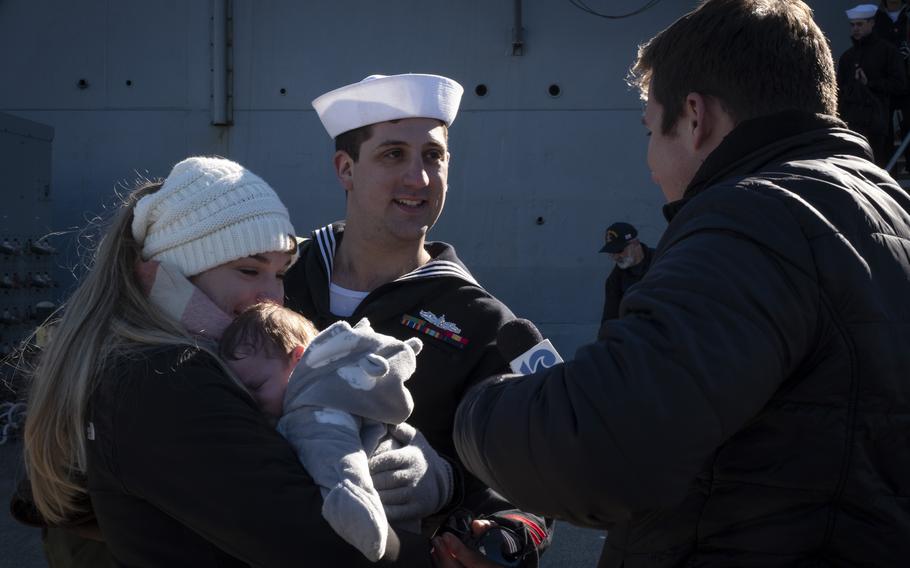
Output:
x=866 y=108
x=442 y=304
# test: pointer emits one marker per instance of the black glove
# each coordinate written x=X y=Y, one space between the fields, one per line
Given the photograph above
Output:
x=506 y=543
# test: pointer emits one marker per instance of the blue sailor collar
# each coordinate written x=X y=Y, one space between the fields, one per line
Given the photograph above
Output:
x=444 y=262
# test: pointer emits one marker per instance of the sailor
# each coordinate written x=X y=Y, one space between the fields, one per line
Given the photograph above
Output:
x=392 y=160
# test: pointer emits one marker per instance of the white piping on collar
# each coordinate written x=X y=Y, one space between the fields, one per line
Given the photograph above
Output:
x=325 y=237
x=439 y=268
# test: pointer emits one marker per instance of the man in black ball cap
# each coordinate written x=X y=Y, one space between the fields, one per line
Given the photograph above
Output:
x=632 y=259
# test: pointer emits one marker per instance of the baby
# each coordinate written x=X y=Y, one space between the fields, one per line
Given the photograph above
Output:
x=262 y=346
x=336 y=408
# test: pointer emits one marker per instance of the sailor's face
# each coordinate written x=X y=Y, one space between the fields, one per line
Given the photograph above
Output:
x=397 y=187
x=861 y=28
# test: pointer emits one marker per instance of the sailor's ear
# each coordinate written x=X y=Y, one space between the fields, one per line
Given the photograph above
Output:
x=344 y=169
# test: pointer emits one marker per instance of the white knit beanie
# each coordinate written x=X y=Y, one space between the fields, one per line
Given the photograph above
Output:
x=208 y=212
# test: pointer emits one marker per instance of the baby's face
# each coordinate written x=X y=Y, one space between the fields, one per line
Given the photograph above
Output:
x=266 y=378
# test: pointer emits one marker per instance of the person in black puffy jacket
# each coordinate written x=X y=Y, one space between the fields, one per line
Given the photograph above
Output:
x=751 y=404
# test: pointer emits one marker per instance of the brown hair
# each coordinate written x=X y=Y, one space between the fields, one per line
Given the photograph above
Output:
x=757 y=57
x=269 y=326
x=350 y=141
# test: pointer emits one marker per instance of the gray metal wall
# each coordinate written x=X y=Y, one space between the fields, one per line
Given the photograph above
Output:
x=577 y=161
x=26 y=261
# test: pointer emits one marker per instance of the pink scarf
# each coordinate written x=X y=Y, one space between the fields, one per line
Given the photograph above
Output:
x=172 y=292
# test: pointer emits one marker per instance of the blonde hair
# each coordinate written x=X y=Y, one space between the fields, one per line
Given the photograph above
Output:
x=107 y=316
x=266 y=326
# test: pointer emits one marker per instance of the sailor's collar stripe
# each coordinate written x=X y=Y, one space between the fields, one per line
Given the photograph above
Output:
x=326 y=239
x=439 y=268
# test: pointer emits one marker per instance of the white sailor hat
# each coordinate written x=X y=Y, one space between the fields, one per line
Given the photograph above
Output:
x=379 y=98
x=862 y=12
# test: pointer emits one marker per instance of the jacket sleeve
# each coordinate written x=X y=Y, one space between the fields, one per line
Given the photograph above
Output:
x=707 y=337
x=193 y=445
x=474 y=495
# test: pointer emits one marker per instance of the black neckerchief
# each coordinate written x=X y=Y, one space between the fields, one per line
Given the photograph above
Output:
x=864 y=42
x=443 y=260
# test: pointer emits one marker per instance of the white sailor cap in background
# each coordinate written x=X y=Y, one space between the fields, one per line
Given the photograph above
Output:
x=862 y=12
x=379 y=98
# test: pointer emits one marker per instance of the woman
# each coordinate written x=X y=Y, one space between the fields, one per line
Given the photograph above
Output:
x=130 y=407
